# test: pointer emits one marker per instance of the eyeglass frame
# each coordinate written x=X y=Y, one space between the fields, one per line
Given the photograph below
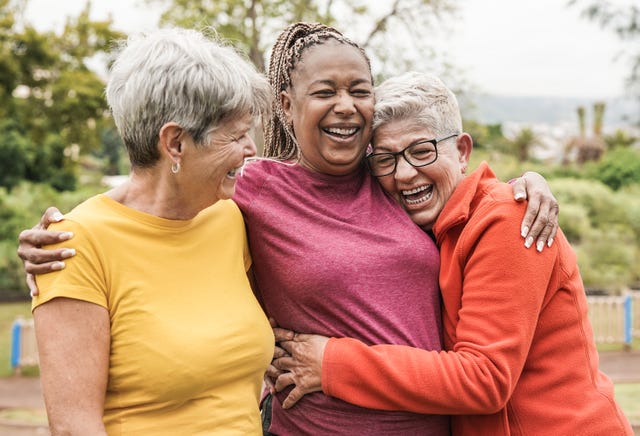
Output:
x=395 y=154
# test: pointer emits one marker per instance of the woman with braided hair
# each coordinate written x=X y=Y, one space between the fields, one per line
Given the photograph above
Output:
x=333 y=254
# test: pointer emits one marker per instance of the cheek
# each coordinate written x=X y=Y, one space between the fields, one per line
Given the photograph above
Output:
x=388 y=183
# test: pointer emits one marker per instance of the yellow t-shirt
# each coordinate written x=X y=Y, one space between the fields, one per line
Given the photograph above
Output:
x=189 y=341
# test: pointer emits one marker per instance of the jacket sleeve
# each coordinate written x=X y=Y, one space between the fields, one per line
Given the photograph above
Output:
x=502 y=294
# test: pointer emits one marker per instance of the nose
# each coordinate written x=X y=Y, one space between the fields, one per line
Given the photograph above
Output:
x=404 y=170
x=345 y=103
x=249 y=146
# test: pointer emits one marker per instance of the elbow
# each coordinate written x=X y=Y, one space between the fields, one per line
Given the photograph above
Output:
x=489 y=399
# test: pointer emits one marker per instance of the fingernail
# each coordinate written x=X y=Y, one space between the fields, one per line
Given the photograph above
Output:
x=550 y=242
x=31 y=293
x=528 y=242
x=57 y=217
x=524 y=231
x=65 y=235
x=68 y=252
x=519 y=196
x=540 y=246
x=57 y=266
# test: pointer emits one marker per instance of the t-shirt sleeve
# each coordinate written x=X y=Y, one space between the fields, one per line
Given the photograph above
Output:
x=83 y=277
x=248 y=184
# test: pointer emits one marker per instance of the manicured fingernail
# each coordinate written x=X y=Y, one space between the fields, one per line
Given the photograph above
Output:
x=528 y=242
x=65 y=235
x=519 y=196
x=56 y=266
x=550 y=242
x=540 y=246
x=68 y=252
x=524 y=231
x=31 y=293
x=57 y=217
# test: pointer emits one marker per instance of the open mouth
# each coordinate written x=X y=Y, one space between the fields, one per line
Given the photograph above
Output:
x=417 y=195
x=341 y=132
x=235 y=171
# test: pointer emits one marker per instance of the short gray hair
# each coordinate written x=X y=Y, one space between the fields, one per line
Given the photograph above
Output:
x=421 y=97
x=182 y=76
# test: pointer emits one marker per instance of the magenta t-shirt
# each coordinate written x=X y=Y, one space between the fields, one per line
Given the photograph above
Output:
x=334 y=255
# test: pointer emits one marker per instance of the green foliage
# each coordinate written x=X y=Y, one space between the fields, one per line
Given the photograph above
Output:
x=21 y=209
x=619 y=167
x=574 y=221
x=603 y=227
x=52 y=106
x=487 y=136
x=620 y=138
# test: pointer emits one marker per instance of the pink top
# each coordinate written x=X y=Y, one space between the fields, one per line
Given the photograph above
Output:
x=336 y=256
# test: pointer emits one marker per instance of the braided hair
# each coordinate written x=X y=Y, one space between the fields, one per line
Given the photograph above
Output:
x=280 y=141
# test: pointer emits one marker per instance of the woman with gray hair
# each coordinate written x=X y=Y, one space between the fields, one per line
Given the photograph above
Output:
x=519 y=353
x=152 y=328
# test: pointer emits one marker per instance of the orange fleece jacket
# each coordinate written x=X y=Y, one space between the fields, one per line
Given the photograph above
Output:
x=522 y=357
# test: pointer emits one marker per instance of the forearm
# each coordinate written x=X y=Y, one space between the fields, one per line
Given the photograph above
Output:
x=396 y=377
x=491 y=315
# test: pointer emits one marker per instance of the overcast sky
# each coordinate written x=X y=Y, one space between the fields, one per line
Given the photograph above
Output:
x=507 y=47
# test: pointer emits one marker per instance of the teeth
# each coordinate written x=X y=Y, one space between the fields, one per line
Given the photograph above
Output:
x=415 y=190
x=419 y=200
x=412 y=192
x=343 y=132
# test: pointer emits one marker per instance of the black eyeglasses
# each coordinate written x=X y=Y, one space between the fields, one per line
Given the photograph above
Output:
x=418 y=154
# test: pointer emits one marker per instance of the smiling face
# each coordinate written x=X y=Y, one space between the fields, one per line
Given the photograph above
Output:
x=213 y=167
x=422 y=191
x=330 y=104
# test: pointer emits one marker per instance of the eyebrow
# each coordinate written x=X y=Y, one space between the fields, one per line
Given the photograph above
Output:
x=333 y=83
x=388 y=150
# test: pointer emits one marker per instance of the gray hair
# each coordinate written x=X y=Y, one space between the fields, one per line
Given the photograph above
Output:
x=421 y=97
x=181 y=76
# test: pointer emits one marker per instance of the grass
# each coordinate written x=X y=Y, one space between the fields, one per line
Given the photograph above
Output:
x=8 y=313
x=24 y=416
x=628 y=396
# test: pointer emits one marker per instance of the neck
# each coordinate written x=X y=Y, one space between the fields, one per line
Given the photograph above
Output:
x=156 y=193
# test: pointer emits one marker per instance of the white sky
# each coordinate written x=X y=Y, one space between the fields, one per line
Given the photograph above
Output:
x=507 y=47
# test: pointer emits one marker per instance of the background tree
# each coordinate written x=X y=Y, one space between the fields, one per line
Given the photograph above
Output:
x=623 y=18
x=253 y=25
x=523 y=143
x=50 y=100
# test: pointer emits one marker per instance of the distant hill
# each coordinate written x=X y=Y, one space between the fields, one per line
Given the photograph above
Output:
x=493 y=109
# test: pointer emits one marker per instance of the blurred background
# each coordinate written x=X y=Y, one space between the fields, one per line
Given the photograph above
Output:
x=551 y=86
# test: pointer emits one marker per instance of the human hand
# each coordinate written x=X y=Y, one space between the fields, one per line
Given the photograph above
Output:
x=272 y=373
x=540 y=221
x=303 y=365
x=37 y=260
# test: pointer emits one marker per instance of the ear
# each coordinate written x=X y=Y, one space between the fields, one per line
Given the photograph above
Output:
x=171 y=135
x=464 y=144
x=285 y=102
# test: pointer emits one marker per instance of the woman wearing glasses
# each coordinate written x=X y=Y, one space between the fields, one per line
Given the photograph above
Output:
x=521 y=357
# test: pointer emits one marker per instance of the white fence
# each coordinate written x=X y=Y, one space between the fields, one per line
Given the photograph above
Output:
x=24 y=350
x=615 y=319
